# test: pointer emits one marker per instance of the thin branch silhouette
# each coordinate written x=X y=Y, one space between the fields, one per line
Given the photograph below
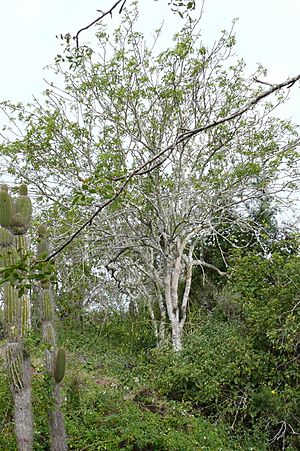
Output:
x=103 y=14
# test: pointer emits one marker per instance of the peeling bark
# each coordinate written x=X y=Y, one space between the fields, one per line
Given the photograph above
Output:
x=20 y=375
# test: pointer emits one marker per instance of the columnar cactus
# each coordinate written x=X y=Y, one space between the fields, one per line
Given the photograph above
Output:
x=15 y=217
x=9 y=257
x=47 y=315
x=60 y=365
x=46 y=295
x=6 y=207
x=48 y=333
x=55 y=360
x=43 y=243
x=21 y=221
x=23 y=204
x=15 y=369
x=47 y=308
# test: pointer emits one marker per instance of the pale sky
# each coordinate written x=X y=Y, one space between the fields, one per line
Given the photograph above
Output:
x=267 y=33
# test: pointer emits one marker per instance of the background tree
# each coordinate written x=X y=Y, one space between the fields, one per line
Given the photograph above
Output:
x=113 y=118
x=151 y=168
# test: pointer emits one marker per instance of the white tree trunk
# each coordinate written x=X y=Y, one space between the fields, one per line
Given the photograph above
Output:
x=171 y=281
x=176 y=307
x=176 y=336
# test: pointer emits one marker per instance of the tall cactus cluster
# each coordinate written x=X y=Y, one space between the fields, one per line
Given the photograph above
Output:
x=15 y=219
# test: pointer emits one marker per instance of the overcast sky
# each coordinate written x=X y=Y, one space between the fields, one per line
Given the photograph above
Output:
x=267 y=33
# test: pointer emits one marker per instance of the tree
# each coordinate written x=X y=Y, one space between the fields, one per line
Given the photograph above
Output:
x=168 y=144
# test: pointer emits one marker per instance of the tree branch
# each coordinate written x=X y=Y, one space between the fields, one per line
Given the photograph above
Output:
x=208 y=265
x=103 y=14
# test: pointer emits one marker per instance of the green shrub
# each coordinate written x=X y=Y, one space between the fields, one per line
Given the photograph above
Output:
x=267 y=293
x=216 y=371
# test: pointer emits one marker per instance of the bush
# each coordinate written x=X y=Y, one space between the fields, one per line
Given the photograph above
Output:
x=267 y=293
x=216 y=371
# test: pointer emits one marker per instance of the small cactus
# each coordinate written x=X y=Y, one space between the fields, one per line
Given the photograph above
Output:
x=47 y=305
x=42 y=231
x=23 y=190
x=6 y=238
x=23 y=205
x=21 y=217
x=11 y=310
x=43 y=243
x=60 y=365
x=48 y=333
x=6 y=207
x=19 y=224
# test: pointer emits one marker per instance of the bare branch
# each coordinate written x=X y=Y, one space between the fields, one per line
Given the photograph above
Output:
x=208 y=265
x=262 y=82
x=103 y=14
